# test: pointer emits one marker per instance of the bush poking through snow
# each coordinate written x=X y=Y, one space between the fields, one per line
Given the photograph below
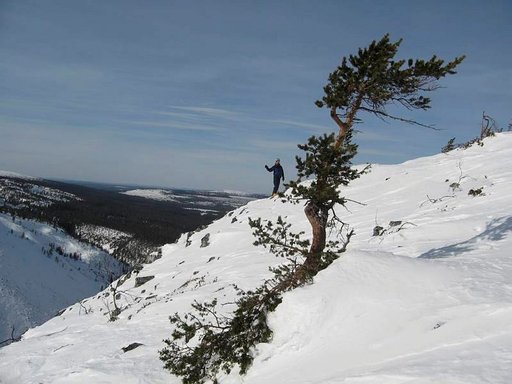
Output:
x=450 y=146
x=378 y=230
x=488 y=128
x=476 y=192
x=393 y=227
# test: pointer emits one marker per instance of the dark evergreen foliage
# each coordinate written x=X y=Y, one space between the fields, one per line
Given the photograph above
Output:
x=328 y=166
x=222 y=342
x=373 y=79
x=450 y=146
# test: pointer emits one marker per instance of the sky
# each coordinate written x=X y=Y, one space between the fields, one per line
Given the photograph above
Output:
x=202 y=94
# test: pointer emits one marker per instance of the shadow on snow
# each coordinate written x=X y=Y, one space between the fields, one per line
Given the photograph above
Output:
x=496 y=230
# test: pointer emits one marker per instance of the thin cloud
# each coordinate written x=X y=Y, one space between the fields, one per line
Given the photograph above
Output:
x=214 y=112
x=199 y=113
x=298 y=124
x=177 y=125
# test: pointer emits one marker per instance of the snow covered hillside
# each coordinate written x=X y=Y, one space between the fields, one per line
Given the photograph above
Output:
x=24 y=194
x=43 y=270
x=423 y=294
x=202 y=201
x=15 y=175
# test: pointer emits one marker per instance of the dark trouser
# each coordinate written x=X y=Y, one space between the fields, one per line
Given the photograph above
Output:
x=277 y=180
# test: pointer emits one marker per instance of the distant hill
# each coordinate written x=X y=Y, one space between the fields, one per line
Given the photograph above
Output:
x=94 y=213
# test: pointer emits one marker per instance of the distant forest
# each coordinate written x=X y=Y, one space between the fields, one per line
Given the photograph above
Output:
x=151 y=222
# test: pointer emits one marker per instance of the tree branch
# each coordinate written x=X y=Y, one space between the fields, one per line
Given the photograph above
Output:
x=385 y=115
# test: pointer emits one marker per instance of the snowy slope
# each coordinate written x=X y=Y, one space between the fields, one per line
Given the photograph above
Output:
x=36 y=281
x=202 y=201
x=23 y=194
x=15 y=175
x=428 y=301
x=155 y=194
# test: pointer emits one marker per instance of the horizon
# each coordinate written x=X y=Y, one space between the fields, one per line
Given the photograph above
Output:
x=121 y=186
x=204 y=94
x=146 y=186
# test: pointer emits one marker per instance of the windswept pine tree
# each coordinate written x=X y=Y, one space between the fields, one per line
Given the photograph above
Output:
x=366 y=82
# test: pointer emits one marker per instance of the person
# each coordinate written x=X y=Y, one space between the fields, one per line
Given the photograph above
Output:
x=278 y=175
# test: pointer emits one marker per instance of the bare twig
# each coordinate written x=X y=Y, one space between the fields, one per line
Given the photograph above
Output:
x=11 y=339
x=355 y=201
x=82 y=306
x=433 y=201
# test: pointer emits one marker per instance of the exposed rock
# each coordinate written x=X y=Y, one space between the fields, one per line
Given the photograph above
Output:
x=205 y=241
x=142 y=280
x=131 y=346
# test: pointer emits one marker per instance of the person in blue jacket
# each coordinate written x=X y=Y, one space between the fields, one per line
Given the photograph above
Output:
x=278 y=175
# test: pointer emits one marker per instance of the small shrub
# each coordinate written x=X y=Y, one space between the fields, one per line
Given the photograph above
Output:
x=488 y=128
x=455 y=186
x=114 y=314
x=378 y=230
x=450 y=146
x=476 y=192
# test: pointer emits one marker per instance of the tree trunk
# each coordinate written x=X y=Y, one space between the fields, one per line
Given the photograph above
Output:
x=341 y=125
x=346 y=125
x=318 y=219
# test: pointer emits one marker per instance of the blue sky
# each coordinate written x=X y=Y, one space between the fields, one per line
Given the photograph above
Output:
x=203 y=94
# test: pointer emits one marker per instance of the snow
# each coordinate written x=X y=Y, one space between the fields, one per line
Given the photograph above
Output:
x=24 y=194
x=15 y=175
x=429 y=301
x=232 y=192
x=210 y=198
x=154 y=194
x=202 y=210
x=35 y=285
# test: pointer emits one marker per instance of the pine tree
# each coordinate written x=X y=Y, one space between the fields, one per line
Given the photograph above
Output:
x=367 y=82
